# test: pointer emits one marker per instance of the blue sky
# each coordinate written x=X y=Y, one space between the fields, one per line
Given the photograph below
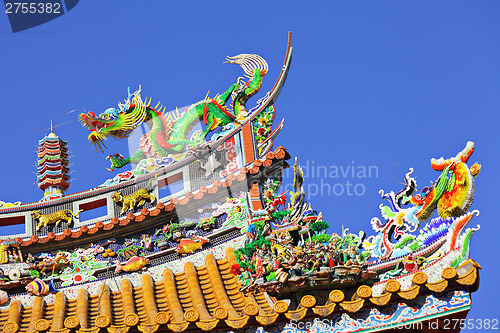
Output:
x=386 y=84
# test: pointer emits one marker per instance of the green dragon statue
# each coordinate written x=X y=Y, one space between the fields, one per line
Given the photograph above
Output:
x=169 y=133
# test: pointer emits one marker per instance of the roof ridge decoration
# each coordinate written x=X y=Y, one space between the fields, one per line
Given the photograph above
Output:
x=242 y=176
x=171 y=133
x=286 y=267
x=287 y=249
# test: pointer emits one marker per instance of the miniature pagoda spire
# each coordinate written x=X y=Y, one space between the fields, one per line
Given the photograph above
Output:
x=52 y=168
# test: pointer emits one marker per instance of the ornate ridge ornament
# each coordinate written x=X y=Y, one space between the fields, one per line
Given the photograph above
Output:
x=279 y=259
x=170 y=133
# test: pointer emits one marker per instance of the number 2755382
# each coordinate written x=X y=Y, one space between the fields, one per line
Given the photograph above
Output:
x=32 y=8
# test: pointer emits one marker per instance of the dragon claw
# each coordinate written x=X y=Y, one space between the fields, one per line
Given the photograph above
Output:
x=117 y=160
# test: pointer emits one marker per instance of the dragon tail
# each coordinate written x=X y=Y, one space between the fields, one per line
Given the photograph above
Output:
x=249 y=62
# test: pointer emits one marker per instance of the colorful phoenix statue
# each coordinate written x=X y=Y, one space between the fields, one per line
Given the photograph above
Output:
x=170 y=133
x=451 y=195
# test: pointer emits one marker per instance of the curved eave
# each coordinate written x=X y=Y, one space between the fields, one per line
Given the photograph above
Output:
x=53 y=159
x=55 y=167
x=55 y=174
x=52 y=151
x=209 y=298
x=52 y=141
x=53 y=182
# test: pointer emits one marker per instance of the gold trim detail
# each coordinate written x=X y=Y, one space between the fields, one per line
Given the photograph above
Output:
x=71 y=322
x=220 y=313
x=468 y=278
x=280 y=307
x=437 y=286
x=237 y=322
x=42 y=325
x=178 y=326
x=336 y=296
x=353 y=306
x=324 y=310
x=267 y=319
x=207 y=325
x=10 y=327
x=251 y=309
x=297 y=314
x=382 y=299
x=308 y=301
x=191 y=315
x=392 y=286
x=131 y=319
x=162 y=318
x=449 y=273
x=409 y=293
x=364 y=292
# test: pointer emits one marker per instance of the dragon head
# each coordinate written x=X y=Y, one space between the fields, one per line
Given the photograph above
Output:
x=117 y=123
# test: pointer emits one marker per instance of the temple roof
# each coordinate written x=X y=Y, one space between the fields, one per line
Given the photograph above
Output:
x=206 y=298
